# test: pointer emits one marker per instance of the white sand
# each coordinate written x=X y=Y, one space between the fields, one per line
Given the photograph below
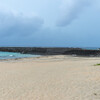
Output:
x=50 y=78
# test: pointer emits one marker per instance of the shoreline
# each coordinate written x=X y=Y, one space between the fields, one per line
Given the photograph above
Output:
x=49 y=57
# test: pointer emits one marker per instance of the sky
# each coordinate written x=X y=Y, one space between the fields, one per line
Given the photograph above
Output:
x=50 y=23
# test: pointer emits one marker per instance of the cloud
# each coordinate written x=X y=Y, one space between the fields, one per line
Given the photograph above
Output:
x=19 y=25
x=70 y=10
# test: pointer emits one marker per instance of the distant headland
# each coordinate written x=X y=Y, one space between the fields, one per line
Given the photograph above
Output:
x=52 y=51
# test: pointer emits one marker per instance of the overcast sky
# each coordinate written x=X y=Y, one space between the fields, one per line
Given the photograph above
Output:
x=49 y=23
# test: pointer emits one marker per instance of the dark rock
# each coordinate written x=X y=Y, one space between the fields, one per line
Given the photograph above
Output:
x=52 y=51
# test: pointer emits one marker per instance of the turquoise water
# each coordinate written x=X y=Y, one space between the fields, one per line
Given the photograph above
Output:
x=12 y=55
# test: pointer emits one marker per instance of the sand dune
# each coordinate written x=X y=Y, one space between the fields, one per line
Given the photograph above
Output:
x=50 y=78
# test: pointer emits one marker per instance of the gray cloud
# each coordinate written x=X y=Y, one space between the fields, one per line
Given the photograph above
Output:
x=18 y=25
x=70 y=10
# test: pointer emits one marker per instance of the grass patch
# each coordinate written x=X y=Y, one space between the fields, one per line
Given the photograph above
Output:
x=97 y=64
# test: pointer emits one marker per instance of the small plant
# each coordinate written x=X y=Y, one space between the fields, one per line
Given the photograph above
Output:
x=97 y=64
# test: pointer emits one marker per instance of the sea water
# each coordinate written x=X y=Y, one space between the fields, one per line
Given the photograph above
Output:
x=12 y=55
x=91 y=48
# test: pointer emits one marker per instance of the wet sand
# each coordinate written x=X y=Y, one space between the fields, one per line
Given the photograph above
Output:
x=50 y=78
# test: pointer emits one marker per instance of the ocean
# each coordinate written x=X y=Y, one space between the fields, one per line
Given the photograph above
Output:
x=12 y=55
x=91 y=48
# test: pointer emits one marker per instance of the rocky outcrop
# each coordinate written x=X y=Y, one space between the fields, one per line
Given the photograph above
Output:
x=52 y=51
x=83 y=52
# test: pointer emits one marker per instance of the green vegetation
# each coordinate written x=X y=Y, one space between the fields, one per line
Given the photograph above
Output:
x=97 y=64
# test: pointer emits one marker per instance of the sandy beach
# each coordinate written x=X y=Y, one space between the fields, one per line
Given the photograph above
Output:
x=50 y=78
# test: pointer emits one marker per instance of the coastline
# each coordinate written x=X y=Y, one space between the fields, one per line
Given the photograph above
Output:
x=53 y=51
x=50 y=57
x=50 y=78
